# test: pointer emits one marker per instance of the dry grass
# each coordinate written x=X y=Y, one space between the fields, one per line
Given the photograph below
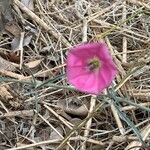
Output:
x=39 y=110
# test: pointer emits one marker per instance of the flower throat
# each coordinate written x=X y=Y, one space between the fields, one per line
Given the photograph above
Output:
x=93 y=64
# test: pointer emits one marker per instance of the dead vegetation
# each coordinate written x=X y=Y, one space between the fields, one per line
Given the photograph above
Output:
x=38 y=109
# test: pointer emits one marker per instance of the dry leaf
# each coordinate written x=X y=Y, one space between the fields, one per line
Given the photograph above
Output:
x=54 y=134
x=13 y=28
x=14 y=57
x=6 y=65
x=75 y=121
x=5 y=95
x=8 y=96
x=5 y=13
x=28 y=4
x=5 y=5
x=74 y=107
x=27 y=40
x=33 y=64
x=15 y=43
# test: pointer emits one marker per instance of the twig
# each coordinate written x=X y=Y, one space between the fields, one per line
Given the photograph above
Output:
x=22 y=113
x=89 y=122
x=127 y=108
x=35 y=144
x=126 y=31
x=48 y=28
x=78 y=127
x=118 y=121
x=84 y=30
x=20 y=48
x=124 y=44
x=87 y=140
x=139 y=3
x=53 y=129
x=65 y=122
x=145 y=134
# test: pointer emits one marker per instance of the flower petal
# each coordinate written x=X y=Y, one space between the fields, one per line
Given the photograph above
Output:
x=75 y=71
x=86 y=83
x=73 y=60
x=106 y=75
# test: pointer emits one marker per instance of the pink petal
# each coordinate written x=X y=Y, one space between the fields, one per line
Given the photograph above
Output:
x=74 y=72
x=86 y=83
x=102 y=51
x=106 y=75
x=73 y=60
x=81 y=51
x=92 y=49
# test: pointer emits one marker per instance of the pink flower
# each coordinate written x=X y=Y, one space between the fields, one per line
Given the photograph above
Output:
x=90 y=67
